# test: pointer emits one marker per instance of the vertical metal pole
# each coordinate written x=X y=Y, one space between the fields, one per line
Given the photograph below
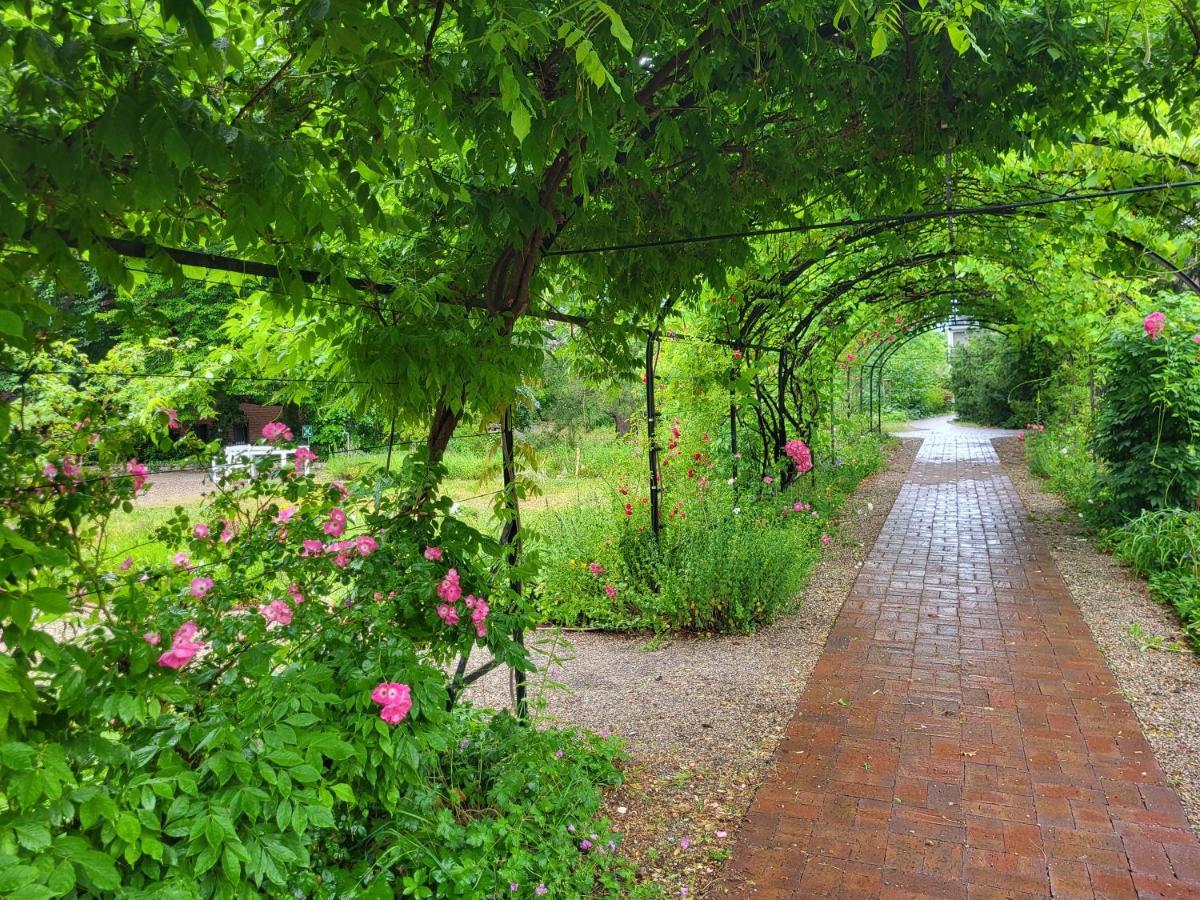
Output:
x=811 y=436
x=780 y=398
x=870 y=395
x=651 y=417
x=1092 y=404
x=510 y=536
x=832 y=418
x=860 y=388
x=878 y=376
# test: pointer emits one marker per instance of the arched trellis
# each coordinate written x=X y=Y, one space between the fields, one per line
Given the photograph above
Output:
x=876 y=363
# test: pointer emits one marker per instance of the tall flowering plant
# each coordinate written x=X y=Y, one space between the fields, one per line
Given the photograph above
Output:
x=203 y=719
x=1149 y=418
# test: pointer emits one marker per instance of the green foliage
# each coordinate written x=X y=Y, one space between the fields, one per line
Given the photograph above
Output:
x=724 y=562
x=1149 y=417
x=1063 y=456
x=1000 y=382
x=1164 y=545
x=917 y=378
x=258 y=762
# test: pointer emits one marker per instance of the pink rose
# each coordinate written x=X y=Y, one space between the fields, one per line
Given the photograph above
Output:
x=395 y=699
x=1153 y=324
x=276 y=431
x=302 y=458
x=200 y=586
x=277 y=611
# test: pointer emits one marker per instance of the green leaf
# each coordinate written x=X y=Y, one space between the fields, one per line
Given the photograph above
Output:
x=128 y=827
x=62 y=879
x=11 y=324
x=98 y=869
x=32 y=835
x=190 y=15
x=617 y=26
x=14 y=877
x=879 y=41
x=958 y=37
x=520 y=122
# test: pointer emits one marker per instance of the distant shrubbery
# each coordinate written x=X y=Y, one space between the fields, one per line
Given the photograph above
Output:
x=723 y=562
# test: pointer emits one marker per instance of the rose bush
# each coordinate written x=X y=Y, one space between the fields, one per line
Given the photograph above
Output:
x=269 y=708
x=1149 y=417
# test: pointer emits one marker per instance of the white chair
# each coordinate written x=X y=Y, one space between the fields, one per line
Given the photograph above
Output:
x=239 y=457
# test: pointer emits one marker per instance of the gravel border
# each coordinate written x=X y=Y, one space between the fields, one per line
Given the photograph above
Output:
x=701 y=716
x=1162 y=686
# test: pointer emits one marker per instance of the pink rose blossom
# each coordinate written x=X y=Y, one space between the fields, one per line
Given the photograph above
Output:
x=312 y=547
x=479 y=612
x=1153 y=324
x=181 y=559
x=302 y=458
x=767 y=479
x=799 y=453
x=341 y=560
x=395 y=699
x=285 y=515
x=293 y=590
x=49 y=471
x=277 y=611
x=183 y=647
x=276 y=431
x=826 y=540
x=340 y=487
x=434 y=554
x=227 y=531
x=366 y=544
x=596 y=569
x=447 y=613
x=449 y=589
x=1196 y=338
x=73 y=470
x=152 y=638
x=200 y=586
x=172 y=418
x=337 y=522
x=201 y=531
x=126 y=563
x=134 y=468
x=611 y=590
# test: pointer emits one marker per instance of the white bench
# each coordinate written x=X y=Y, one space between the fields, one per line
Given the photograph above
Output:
x=246 y=457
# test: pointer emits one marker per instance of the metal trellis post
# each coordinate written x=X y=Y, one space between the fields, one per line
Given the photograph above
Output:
x=652 y=441
x=510 y=537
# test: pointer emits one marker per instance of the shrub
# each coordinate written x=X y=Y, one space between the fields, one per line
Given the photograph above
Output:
x=267 y=712
x=1062 y=455
x=1149 y=417
x=998 y=381
x=1164 y=545
x=724 y=561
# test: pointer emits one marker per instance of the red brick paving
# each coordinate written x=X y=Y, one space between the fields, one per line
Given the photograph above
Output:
x=961 y=735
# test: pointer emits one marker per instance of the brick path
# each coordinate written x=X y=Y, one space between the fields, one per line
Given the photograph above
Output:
x=961 y=735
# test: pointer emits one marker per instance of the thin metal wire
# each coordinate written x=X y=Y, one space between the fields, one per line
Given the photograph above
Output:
x=986 y=209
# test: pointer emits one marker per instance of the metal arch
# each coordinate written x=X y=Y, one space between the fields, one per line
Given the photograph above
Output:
x=919 y=323
x=876 y=367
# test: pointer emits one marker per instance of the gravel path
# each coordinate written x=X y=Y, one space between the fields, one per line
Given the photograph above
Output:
x=1162 y=686
x=700 y=716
